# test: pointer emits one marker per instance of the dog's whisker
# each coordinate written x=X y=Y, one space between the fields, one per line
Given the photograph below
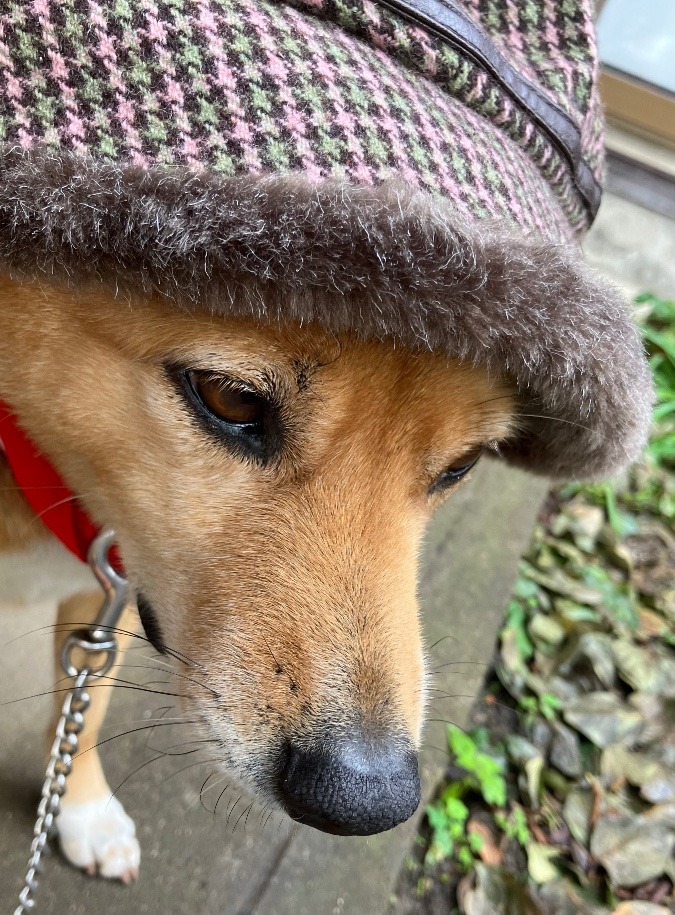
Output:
x=439 y=694
x=163 y=755
x=147 y=721
x=185 y=748
x=431 y=746
x=204 y=789
x=64 y=627
x=442 y=639
x=441 y=721
x=496 y=702
x=245 y=814
x=134 y=772
x=216 y=784
x=64 y=689
x=37 y=516
x=159 y=724
x=556 y=419
x=215 y=809
x=263 y=811
x=240 y=799
x=173 y=673
x=201 y=791
x=156 y=659
x=440 y=666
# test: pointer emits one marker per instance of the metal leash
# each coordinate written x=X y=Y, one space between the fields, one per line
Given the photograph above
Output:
x=97 y=639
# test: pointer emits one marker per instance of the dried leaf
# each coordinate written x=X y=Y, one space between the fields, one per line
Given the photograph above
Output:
x=561 y=898
x=650 y=669
x=596 y=647
x=577 y=812
x=583 y=521
x=651 y=625
x=545 y=628
x=633 y=849
x=647 y=771
x=533 y=769
x=489 y=851
x=658 y=715
x=540 y=865
x=496 y=893
x=565 y=753
x=560 y=583
x=602 y=717
x=636 y=907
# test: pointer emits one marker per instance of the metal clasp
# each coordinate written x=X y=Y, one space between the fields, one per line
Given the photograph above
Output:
x=99 y=637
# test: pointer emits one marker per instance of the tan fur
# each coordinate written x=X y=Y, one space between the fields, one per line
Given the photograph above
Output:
x=290 y=588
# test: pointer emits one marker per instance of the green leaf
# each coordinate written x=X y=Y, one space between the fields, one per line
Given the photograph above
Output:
x=516 y=620
x=436 y=816
x=465 y=858
x=664 y=341
x=456 y=810
x=525 y=589
x=441 y=847
x=463 y=747
x=476 y=842
x=492 y=783
x=549 y=705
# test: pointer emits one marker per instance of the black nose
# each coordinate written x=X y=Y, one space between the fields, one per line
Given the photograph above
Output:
x=356 y=787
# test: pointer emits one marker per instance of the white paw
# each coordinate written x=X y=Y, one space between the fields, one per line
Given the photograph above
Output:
x=100 y=838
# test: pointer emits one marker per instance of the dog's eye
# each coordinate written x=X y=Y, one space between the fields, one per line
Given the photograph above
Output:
x=234 y=405
x=248 y=422
x=455 y=472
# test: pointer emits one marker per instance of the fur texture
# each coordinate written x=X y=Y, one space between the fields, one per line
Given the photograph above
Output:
x=383 y=262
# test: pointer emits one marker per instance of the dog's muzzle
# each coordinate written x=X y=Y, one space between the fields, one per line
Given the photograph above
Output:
x=355 y=786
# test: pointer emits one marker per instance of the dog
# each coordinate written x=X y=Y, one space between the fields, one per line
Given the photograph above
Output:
x=274 y=276
x=270 y=487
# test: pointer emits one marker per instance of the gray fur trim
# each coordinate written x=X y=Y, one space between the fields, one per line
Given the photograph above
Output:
x=381 y=261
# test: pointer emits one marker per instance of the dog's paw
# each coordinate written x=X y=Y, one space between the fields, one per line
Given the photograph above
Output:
x=100 y=838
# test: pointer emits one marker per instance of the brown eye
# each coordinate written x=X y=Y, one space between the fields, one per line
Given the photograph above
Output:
x=231 y=404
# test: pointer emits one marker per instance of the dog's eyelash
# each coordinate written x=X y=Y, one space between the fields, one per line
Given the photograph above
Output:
x=265 y=386
x=450 y=477
x=260 y=443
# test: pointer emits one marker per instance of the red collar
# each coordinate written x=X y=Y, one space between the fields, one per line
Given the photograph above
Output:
x=46 y=493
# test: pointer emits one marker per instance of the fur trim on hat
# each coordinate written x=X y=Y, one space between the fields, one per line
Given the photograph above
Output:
x=384 y=262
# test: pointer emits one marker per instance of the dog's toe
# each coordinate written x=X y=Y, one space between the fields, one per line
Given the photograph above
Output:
x=100 y=837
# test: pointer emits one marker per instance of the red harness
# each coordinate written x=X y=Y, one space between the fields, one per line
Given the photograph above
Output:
x=46 y=493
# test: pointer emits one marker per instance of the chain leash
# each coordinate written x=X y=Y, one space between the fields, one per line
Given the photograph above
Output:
x=95 y=641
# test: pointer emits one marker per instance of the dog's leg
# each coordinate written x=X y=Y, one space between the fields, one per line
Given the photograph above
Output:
x=95 y=833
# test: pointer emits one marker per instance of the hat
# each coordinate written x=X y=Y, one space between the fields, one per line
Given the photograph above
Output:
x=412 y=170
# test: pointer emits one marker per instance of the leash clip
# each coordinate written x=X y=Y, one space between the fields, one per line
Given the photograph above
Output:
x=99 y=637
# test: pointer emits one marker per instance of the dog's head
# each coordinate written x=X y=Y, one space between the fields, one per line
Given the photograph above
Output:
x=270 y=488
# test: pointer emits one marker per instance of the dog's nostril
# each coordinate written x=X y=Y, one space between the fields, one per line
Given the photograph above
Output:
x=355 y=787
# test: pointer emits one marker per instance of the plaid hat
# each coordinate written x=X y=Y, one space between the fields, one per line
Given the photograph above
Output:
x=419 y=170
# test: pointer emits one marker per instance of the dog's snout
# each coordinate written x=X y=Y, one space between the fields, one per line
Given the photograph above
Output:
x=352 y=787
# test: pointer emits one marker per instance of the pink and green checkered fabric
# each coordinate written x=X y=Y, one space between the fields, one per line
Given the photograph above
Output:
x=329 y=88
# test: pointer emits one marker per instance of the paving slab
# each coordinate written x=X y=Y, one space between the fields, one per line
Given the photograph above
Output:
x=242 y=861
x=633 y=247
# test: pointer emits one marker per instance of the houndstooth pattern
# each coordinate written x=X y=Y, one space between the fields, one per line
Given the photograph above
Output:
x=329 y=88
